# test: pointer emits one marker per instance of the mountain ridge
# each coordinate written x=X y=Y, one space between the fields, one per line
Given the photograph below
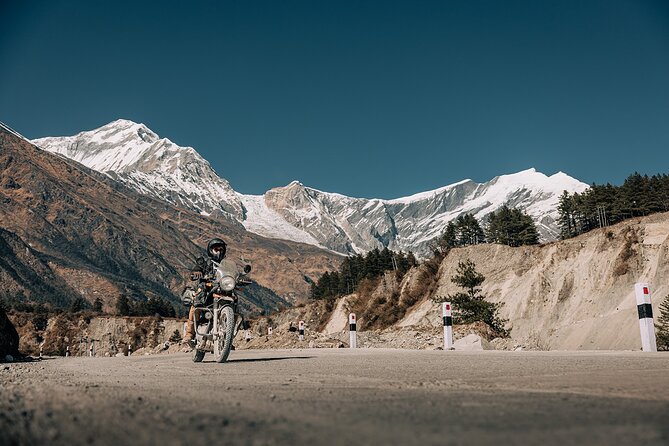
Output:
x=138 y=157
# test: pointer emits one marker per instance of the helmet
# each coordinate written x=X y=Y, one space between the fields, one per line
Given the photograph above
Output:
x=216 y=249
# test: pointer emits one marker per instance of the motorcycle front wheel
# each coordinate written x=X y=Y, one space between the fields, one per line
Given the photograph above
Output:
x=198 y=355
x=226 y=327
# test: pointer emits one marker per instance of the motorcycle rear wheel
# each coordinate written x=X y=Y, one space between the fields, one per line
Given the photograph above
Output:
x=226 y=327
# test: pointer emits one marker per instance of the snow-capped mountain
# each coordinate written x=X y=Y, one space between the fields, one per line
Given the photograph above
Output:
x=348 y=224
x=135 y=155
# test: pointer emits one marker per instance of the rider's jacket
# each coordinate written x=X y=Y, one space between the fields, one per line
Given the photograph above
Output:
x=201 y=287
x=203 y=266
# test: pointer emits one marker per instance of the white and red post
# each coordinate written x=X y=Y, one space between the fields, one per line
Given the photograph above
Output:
x=446 y=311
x=353 y=333
x=300 y=328
x=269 y=331
x=645 y=310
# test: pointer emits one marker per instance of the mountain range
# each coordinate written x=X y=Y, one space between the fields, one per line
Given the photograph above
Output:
x=136 y=156
x=68 y=231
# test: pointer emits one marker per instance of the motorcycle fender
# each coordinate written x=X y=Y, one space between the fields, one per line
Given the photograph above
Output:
x=225 y=298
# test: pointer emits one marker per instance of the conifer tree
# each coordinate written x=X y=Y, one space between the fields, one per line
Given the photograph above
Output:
x=123 y=306
x=78 y=304
x=512 y=227
x=471 y=306
x=662 y=325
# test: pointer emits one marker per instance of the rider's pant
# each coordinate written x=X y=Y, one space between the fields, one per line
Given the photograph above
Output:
x=190 y=327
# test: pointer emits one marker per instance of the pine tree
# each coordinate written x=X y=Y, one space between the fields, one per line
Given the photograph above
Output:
x=123 y=306
x=471 y=306
x=662 y=325
x=512 y=227
x=78 y=304
x=469 y=230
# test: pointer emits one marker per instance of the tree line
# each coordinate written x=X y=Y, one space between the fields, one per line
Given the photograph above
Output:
x=507 y=226
x=356 y=268
x=154 y=305
x=604 y=205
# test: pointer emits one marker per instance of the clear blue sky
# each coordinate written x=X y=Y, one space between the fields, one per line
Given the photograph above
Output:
x=365 y=98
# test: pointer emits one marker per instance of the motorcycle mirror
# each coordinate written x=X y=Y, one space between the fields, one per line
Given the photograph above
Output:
x=247 y=269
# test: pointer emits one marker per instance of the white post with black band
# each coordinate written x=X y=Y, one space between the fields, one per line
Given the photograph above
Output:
x=353 y=334
x=446 y=312
x=300 y=328
x=645 y=310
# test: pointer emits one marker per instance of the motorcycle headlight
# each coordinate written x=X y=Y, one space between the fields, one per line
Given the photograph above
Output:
x=227 y=283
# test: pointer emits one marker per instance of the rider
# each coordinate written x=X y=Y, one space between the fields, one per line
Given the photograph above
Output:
x=216 y=249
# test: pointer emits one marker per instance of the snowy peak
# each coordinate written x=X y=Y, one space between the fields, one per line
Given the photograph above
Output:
x=137 y=156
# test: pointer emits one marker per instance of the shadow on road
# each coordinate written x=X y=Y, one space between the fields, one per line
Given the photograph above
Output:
x=266 y=359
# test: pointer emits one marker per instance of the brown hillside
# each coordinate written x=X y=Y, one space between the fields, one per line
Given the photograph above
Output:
x=97 y=237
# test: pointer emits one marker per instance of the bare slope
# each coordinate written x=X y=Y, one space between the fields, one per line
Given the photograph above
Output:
x=573 y=294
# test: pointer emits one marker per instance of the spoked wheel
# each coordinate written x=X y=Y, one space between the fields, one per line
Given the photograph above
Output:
x=226 y=327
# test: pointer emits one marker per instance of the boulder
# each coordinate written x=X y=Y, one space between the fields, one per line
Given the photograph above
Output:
x=9 y=338
x=472 y=342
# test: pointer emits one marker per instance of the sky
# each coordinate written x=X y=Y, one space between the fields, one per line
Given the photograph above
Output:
x=375 y=99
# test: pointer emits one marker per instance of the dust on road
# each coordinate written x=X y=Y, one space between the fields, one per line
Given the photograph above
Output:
x=339 y=397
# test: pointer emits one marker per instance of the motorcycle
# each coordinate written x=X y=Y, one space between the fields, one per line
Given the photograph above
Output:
x=217 y=319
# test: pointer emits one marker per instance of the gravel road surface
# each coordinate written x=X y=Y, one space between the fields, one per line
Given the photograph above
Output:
x=339 y=397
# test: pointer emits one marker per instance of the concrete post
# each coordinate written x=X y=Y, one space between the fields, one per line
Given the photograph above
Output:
x=300 y=326
x=645 y=310
x=353 y=333
x=446 y=312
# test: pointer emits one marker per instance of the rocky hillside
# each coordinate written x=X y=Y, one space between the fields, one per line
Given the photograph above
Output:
x=9 y=338
x=576 y=294
x=68 y=231
x=57 y=333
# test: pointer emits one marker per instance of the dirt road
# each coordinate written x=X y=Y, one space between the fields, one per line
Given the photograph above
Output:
x=340 y=397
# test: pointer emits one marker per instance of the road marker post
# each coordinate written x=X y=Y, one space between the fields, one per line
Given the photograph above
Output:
x=91 y=351
x=67 y=351
x=353 y=333
x=40 y=351
x=129 y=349
x=446 y=311
x=300 y=329
x=645 y=310
x=269 y=331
